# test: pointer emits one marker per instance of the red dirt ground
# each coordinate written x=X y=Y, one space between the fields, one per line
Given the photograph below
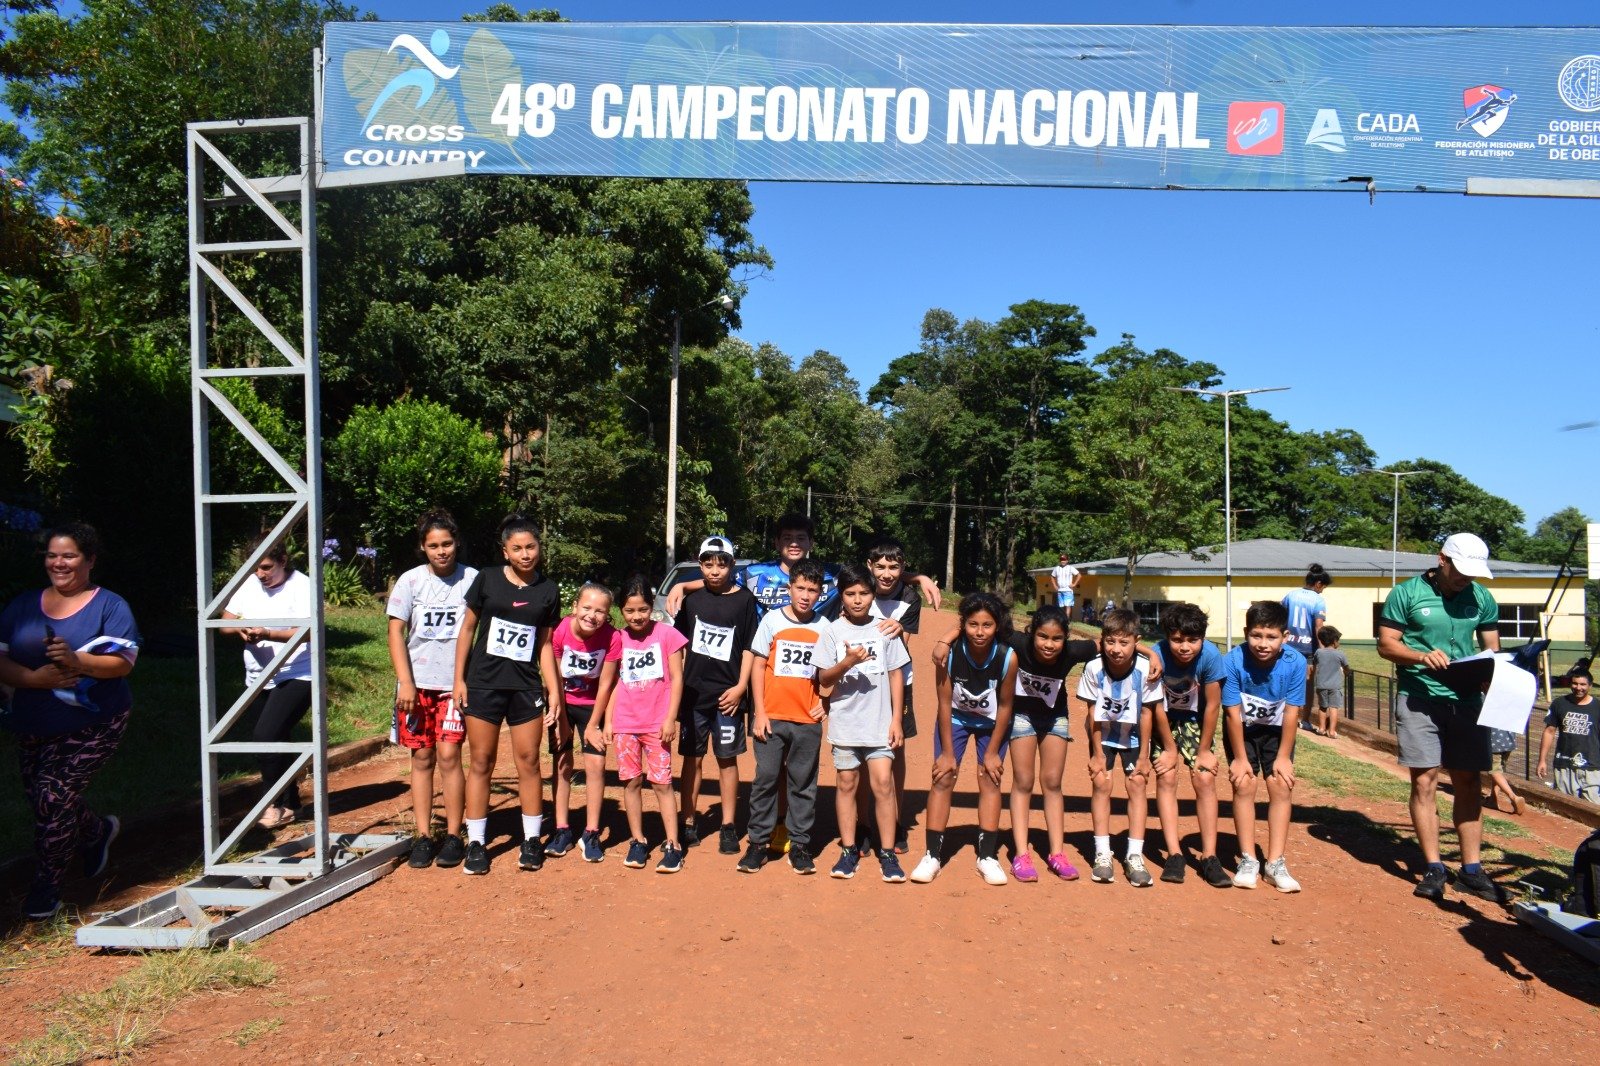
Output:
x=599 y=960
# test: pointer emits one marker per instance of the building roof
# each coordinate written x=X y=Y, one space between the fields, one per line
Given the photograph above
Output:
x=1291 y=559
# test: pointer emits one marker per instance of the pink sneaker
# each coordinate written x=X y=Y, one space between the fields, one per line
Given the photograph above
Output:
x=1058 y=865
x=1022 y=868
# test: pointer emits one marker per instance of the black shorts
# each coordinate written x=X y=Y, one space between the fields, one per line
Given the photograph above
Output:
x=908 y=720
x=1261 y=746
x=707 y=727
x=580 y=714
x=509 y=706
x=1127 y=758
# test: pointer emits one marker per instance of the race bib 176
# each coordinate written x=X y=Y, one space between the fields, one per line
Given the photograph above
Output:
x=511 y=640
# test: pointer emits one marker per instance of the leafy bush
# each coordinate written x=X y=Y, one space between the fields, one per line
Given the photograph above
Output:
x=390 y=464
x=342 y=586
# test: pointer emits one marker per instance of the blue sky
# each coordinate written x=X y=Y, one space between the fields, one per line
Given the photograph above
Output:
x=1436 y=325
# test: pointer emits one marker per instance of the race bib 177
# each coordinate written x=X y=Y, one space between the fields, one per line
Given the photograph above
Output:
x=715 y=642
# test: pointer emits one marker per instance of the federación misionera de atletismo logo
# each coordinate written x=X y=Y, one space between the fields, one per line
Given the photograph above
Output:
x=1579 y=83
x=1485 y=108
x=425 y=79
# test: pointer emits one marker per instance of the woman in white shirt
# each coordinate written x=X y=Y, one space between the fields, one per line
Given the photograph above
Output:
x=276 y=590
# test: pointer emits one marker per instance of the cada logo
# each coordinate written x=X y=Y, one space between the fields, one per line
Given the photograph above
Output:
x=425 y=79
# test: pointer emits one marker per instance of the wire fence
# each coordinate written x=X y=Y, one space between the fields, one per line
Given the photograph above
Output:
x=1369 y=699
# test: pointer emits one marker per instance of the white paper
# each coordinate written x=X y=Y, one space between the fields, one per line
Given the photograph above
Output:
x=1510 y=698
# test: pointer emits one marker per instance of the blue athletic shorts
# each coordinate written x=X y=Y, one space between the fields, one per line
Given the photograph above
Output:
x=960 y=731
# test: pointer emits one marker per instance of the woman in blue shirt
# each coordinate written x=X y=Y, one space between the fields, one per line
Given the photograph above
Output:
x=67 y=651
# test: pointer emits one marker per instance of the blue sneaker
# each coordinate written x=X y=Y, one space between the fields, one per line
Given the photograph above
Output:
x=890 y=863
x=845 y=868
x=560 y=842
x=671 y=859
x=638 y=855
x=592 y=851
x=97 y=852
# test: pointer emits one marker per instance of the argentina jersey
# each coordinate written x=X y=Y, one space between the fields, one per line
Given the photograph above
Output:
x=1116 y=702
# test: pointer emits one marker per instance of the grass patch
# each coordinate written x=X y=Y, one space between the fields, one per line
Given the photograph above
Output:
x=1320 y=765
x=159 y=760
x=36 y=943
x=253 y=1031
x=1502 y=828
x=125 y=1016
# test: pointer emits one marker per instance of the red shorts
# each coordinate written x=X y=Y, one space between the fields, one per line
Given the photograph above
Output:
x=436 y=720
x=643 y=753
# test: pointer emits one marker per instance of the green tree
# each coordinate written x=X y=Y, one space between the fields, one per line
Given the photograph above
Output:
x=1151 y=458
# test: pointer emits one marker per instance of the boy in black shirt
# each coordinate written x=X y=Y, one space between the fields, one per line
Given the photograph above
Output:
x=1571 y=728
x=719 y=621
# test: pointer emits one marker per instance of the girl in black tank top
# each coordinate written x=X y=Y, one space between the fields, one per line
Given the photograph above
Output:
x=976 y=679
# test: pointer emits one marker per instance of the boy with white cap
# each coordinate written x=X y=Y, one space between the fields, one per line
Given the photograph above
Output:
x=1427 y=622
x=719 y=621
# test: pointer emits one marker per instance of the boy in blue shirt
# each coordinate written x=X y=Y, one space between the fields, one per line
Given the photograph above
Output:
x=1191 y=676
x=1262 y=686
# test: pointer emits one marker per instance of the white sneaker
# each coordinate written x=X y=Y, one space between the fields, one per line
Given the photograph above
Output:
x=993 y=873
x=1277 y=873
x=1246 y=877
x=927 y=869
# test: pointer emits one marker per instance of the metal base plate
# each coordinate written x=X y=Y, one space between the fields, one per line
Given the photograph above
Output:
x=251 y=898
x=1574 y=932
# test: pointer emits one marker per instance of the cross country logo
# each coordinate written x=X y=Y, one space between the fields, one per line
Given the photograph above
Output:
x=425 y=79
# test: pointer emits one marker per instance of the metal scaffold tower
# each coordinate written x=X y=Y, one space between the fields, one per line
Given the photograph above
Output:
x=243 y=897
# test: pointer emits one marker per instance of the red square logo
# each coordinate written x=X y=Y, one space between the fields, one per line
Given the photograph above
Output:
x=1255 y=127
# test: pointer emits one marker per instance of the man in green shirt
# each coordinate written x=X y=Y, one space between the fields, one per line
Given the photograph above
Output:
x=1427 y=622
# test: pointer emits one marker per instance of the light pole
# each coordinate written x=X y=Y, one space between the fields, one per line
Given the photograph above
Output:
x=1394 y=538
x=724 y=301
x=1227 y=488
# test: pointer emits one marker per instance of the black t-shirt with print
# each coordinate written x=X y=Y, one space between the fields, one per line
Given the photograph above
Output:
x=510 y=620
x=719 y=629
x=1578 y=743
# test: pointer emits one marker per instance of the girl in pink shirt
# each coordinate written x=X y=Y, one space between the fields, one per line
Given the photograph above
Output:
x=641 y=721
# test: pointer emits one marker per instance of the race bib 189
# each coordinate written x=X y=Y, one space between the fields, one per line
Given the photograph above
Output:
x=642 y=664
x=715 y=642
x=575 y=662
x=441 y=622
x=1044 y=689
x=511 y=640
x=792 y=658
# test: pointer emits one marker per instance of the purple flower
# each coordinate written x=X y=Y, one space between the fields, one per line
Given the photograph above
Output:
x=367 y=553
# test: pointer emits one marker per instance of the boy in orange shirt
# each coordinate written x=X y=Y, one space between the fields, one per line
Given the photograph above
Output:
x=788 y=720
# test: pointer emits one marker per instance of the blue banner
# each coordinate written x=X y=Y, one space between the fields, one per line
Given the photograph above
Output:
x=1123 y=106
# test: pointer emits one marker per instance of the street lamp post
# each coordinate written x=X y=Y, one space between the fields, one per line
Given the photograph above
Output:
x=724 y=301
x=1394 y=535
x=1227 y=489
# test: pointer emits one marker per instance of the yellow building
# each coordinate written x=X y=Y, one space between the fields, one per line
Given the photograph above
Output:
x=1267 y=569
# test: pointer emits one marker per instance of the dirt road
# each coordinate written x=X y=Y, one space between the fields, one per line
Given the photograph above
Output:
x=599 y=960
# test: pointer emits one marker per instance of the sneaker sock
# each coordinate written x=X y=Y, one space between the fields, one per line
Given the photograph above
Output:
x=533 y=825
x=1437 y=867
x=1102 y=845
x=988 y=844
x=1472 y=867
x=936 y=843
x=1135 y=847
x=476 y=829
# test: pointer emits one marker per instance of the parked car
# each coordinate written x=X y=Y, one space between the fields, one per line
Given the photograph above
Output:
x=686 y=571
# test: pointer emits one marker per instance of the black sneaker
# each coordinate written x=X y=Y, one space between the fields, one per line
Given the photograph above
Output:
x=755 y=857
x=690 y=834
x=1479 y=884
x=532 y=855
x=451 y=852
x=477 y=859
x=422 y=853
x=41 y=904
x=561 y=842
x=728 y=840
x=671 y=859
x=1211 y=869
x=1432 y=884
x=638 y=855
x=97 y=852
x=800 y=860
x=1172 y=870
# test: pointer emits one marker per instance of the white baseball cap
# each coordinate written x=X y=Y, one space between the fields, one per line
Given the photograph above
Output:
x=1469 y=554
x=717 y=546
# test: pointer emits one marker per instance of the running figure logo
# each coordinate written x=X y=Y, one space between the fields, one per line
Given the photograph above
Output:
x=425 y=79
x=1486 y=108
